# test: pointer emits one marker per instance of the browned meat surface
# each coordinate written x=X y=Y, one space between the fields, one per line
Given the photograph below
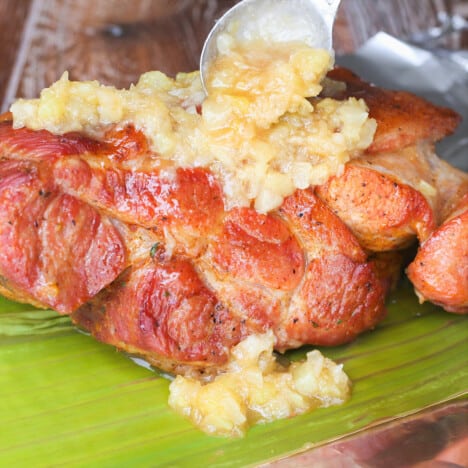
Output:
x=209 y=277
x=403 y=119
x=145 y=257
x=440 y=270
x=390 y=199
x=340 y=290
x=400 y=189
x=56 y=251
x=383 y=212
x=162 y=309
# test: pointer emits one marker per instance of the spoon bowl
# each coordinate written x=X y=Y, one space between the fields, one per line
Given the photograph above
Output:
x=273 y=21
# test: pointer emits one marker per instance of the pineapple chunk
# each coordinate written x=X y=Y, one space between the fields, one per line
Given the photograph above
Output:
x=255 y=388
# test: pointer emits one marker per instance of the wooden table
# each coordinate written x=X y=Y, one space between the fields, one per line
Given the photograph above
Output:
x=114 y=41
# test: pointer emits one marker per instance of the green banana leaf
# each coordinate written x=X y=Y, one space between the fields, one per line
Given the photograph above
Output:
x=67 y=400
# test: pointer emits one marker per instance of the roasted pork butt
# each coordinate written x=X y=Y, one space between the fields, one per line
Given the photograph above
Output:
x=440 y=270
x=56 y=251
x=210 y=277
x=303 y=275
x=185 y=280
x=399 y=189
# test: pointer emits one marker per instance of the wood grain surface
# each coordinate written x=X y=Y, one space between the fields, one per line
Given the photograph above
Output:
x=114 y=41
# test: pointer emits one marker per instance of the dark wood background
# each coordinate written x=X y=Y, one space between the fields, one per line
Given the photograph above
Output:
x=114 y=41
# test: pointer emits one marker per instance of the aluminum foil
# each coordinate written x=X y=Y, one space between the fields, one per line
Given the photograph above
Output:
x=435 y=438
x=439 y=75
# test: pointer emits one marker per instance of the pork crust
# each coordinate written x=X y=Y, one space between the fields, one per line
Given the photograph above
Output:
x=403 y=119
x=198 y=279
x=208 y=277
x=440 y=270
x=383 y=212
x=56 y=251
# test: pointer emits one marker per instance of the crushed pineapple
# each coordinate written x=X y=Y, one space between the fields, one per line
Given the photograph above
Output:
x=256 y=389
x=258 y=129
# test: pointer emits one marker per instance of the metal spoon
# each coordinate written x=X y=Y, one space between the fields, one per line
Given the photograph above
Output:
x=308 y=21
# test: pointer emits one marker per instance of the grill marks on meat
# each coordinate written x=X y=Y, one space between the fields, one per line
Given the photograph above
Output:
x=55 y=248
x=440 y=270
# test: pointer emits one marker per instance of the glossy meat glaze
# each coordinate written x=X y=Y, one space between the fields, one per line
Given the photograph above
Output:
x=144 y=256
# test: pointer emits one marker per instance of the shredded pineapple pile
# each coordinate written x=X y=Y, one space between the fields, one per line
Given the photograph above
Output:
x=256 y=389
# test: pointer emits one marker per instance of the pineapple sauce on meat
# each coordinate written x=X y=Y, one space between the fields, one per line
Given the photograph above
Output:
x=264 y=133
x=261 y=130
